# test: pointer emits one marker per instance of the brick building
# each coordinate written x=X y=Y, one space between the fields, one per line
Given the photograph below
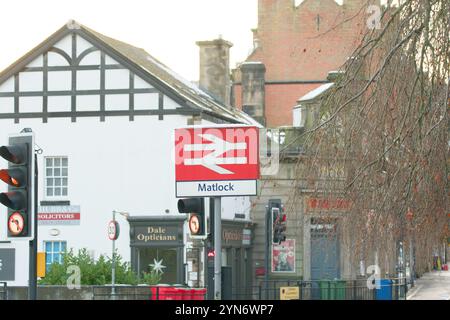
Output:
x=298 y=45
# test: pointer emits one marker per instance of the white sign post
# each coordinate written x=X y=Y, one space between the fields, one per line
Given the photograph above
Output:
x=216 y=162
x=113 y=235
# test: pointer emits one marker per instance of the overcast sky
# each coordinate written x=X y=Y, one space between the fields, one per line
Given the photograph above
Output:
x=167 y=29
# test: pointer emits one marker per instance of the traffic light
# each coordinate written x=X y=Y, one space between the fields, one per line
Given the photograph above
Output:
x=278 y=219
x=195 y=207
x=19 y=199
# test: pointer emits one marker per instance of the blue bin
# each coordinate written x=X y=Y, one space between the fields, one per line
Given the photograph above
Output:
x=385 y=291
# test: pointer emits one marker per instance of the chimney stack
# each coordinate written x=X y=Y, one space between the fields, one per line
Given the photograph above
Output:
x=253 y=90
x=215 y=69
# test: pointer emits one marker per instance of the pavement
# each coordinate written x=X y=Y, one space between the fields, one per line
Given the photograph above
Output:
x=431 y=286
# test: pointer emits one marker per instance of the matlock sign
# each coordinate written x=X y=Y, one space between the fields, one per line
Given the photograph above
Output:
x=216 y=161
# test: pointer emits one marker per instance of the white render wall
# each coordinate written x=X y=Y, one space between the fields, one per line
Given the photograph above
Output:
x=113 y=165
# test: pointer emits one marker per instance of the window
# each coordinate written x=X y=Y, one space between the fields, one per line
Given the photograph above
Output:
x=165 y=258
x=56 y=177
x=53 y=252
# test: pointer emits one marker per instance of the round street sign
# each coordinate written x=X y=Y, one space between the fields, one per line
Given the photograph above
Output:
x=113 y=230
x=16 y=223
x=194 y=224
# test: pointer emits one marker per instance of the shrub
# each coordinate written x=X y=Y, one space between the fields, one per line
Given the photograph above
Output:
x=95 y=272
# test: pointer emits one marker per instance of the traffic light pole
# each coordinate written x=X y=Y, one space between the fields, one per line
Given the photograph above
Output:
x=218 y=248
x=273 y=203
x=32 y=281
x=22 y=179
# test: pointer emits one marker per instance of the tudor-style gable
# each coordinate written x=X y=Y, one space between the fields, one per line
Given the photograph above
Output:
x=74 y=78
x=78 y=72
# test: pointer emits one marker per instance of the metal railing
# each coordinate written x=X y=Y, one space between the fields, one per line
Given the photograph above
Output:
x=388 y=289
x=177 y=293
x=3 y=291
x=121 y=292
x=289 y=139
x=147 y=293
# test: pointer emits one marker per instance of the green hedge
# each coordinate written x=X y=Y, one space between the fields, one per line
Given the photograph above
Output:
x=96 y=272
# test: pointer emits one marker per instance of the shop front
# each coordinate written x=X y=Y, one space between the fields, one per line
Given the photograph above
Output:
x=236 y=260
x=157 y=244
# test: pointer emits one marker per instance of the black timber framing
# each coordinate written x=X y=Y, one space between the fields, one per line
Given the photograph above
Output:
x=187 y=107
x=84 y=54
x=61 y=53
x=77 y=92
x=16 y=98
x=131 y=97
x=154 y=81
x=134 y=68
x=70 y=68
x=161 y=105
x=45 y=88
x=74 y=79
x=118 y=113
x=45 y=46
x=102 y=84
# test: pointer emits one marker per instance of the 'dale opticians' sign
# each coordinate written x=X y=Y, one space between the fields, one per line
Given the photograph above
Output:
x=156 y=235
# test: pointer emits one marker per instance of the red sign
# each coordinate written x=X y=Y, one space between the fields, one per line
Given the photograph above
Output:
x=227 y=156
x=211 y=253
x=16 y=223
x=113 y=230
x=204 y=154
x=260 y=271
x=283 y=256
x=328 y=204
x=58 y=216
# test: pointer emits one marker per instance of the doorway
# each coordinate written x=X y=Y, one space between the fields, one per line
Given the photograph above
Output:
x=325 y=255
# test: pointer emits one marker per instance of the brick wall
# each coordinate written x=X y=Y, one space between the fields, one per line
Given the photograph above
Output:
x=302 y=44
x=280 y=100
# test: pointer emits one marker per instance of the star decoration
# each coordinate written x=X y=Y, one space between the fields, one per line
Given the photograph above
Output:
x=157 y=266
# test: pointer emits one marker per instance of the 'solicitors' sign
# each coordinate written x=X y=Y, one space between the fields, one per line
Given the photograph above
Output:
x=59 y=215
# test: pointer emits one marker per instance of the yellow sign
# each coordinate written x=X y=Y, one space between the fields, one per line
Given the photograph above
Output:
x=289 y=293
x=41 y=264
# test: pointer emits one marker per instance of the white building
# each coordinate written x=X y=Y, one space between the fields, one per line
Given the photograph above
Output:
x=104 y=114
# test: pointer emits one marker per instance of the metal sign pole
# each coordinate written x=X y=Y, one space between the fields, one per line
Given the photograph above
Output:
x=208 y=215
x=218 y=248
x=113 y=269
